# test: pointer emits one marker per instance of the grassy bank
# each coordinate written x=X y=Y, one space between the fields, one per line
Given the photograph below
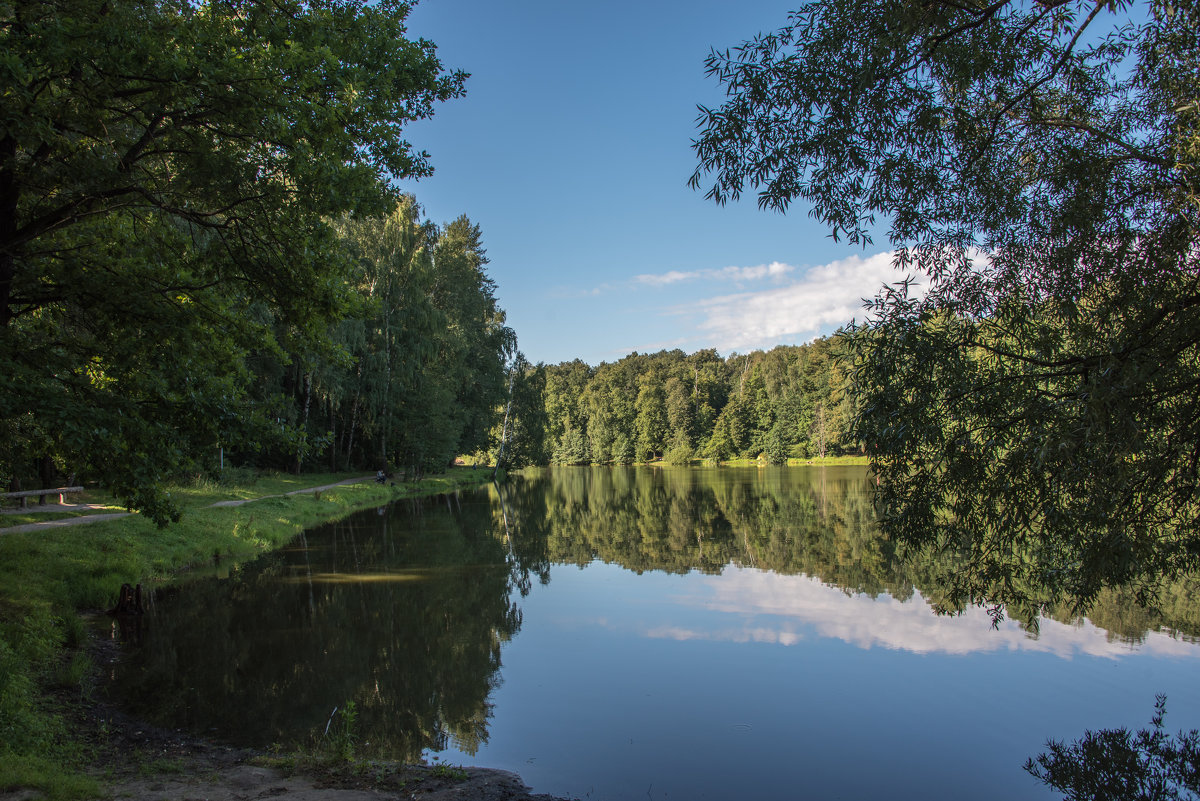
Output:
x=816 y=461
x=48 y=576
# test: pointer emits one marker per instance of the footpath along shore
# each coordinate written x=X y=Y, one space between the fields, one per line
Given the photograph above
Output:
x=96 y=518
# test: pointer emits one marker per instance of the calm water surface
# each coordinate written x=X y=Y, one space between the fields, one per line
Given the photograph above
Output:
x=620 y=633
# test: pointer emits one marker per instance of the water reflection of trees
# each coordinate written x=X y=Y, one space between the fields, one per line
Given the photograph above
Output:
x=404 y=611
x=814 y=521
x=407 y=622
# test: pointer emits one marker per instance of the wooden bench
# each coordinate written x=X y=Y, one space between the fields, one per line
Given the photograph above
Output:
x=41 y=493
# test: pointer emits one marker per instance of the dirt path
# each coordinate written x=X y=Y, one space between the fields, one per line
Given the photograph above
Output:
x=63 y=521
x=57 y=507
x=295 y=492
x=81 y=519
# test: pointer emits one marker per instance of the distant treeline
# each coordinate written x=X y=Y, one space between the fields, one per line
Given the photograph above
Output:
x=784 y=403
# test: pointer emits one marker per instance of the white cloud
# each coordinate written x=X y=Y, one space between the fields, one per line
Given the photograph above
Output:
x=662 y=279
x=759 y=634
x=824 y=297
x=774 y=271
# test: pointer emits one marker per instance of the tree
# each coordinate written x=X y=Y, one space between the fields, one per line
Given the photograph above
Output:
x=1036 y=404
x=651 y=424
x=478 y=342
x=1115 y=765
x=428 y=368
x=525 y=439
x=565 y=415
x=820 y=431
x=167 y=170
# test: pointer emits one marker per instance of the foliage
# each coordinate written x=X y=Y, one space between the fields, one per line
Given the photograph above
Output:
x=679 y=450
x=521 y=431
x=1028 y=393
x=444 y=771
x=1115 y=765
x=676 y=407
x=46 y=775
x=167 y=170
x=1031 y=400
x=423 y=352
x=340 y=736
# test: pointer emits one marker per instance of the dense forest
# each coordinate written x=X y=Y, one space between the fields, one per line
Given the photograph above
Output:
x=784 y=403
x=410 y=374
x=415 y=374
x=205 y=257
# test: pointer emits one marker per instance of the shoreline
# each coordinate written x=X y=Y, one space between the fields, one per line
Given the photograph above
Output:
x=177 y=764
x=137 y=761
x=60 y=574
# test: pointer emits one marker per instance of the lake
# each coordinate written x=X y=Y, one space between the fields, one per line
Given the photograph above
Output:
x=621 y=633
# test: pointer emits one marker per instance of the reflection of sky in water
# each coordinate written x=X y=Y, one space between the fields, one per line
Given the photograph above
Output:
x=606 y=683
x=663 y=686
x=765 y=607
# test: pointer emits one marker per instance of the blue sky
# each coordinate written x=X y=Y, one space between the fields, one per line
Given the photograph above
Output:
x=572 y=150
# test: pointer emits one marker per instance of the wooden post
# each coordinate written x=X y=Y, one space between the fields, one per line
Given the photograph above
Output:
x=129 y=601
x=23 y=496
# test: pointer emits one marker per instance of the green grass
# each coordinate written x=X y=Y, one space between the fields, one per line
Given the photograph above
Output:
x=831 y=460
x=246 y=484
x=237 y=485
x=14 y=519
x=449 y=772
x=48 y=576
x=817 y=461
x=11 y=519
x=47 y=776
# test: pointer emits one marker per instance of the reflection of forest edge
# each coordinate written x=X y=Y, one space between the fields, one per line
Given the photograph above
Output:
x=813 y=521
x=404 y=610
x=264 y=656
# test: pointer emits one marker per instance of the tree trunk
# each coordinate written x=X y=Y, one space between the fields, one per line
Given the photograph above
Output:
x=504 y=429
x=349 y=449
x=304 y=419
x=8 y=228
x=46 y=475
x=333 y=441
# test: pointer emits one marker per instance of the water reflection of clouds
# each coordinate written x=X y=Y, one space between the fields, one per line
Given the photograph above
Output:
x=760 y=634
x=778 y=609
